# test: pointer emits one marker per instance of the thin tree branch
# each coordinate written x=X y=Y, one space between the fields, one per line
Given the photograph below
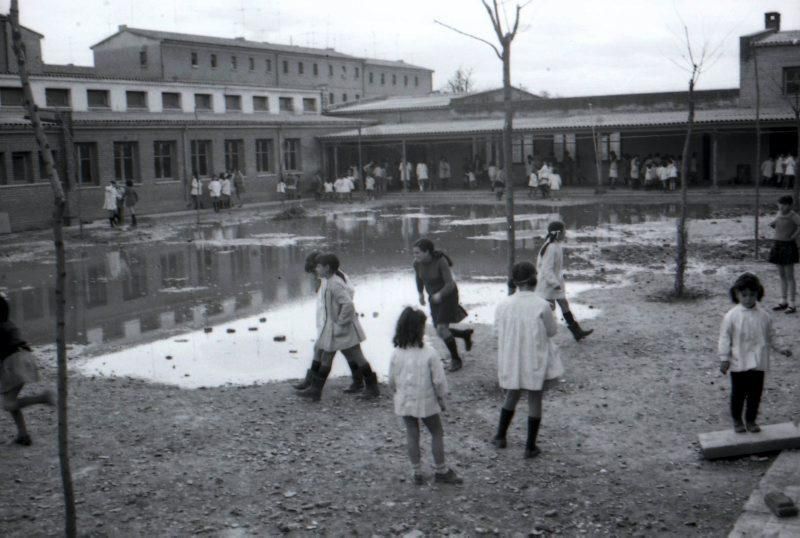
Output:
x=516 y=23
x=495 y=22
x=494 y=48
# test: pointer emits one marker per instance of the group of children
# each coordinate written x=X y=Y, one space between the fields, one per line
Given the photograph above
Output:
x=221 y=189
x=779 y=171
x=119 y=199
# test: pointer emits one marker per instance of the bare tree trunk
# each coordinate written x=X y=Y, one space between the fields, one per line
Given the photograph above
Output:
x=757 y=167
x=680 y=255
x=70 y=528
x=507 y=133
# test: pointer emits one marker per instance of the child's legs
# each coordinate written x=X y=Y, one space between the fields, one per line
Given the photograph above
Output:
x=11 y=404
x=443 y=330
x=784 y=282
x=512 y=397
x=325 y=362
x=355 y=355
x=790 y=283
x=434 y=425
x=738 y=393
x=535 y=403
x=564 y=305
x=412 y=438
x=755 y=386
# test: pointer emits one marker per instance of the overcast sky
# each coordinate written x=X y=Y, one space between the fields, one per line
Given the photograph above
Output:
x=565 y=47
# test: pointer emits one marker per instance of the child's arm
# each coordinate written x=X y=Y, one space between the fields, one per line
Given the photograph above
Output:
x=796 y=219
x=347 y=310
x=724 y=344
x=550 y=325
x=438 y=378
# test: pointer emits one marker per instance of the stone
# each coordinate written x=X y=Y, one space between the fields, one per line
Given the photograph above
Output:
x=279 y=338
x=208 y=329
x=727 y=443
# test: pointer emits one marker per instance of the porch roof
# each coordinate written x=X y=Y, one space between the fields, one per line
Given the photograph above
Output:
x=579 y=122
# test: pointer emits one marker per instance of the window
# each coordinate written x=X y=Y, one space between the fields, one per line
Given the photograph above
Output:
x=344 y=98
x=194 y=59
x=285 y=67
x=394 y=80
x=233 y=102
x=291 y=154
x=11 y=97
x=383 y=79
x=330 y=98
x=22 y=166
x=143 y=58
x=357 y=73
x=213 y=61
x=264 y=150
x=285 y=104
x=252 y=64
x=269 y=65
x=126 y=161
x=791 y=80
x=234 y=63
x=87 y=163
x=405 y=80
x=416 y=80
x=98 y=98
x=260 y=103
x=56 y=97
x=300 y=68
x=201 y=157
x=202 y=101
x=371 y=77
x=309 y=104
x=234 y=155
x=330 y=70
x=163 y=155
x=315 y=70
x=358 y=97
x=136 y=99
x=170 y=101
x=134 y=283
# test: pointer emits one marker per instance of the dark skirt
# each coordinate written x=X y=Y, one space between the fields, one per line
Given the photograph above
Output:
x=784 y=253
x=447 y=310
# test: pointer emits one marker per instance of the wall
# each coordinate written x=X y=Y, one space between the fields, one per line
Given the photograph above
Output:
x=178 y=66
x=339 y=83
x=771 y=61
x=120 y=56
x=388 y=89
x=33 y=49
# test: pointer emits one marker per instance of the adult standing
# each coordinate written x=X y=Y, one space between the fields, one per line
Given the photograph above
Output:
x=613 y=170
x=789 y=170
x=196 y=192
x=380 y=178
x=338 y=329
x=238 y=186
x=527 y=359
x=780 y=166
x=215 y=191
x=432 y=271
x=405 y=174
x=635 y=172
x=131 y=199
x=551 y=285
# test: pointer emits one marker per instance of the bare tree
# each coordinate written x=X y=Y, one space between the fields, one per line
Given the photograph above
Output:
x=461 y=81
x=505 y=36
x=70 y=525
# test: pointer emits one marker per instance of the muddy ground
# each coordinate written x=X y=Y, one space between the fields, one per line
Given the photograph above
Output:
x=619 y=438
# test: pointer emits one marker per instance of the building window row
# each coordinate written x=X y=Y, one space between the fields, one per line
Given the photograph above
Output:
x=371 y=79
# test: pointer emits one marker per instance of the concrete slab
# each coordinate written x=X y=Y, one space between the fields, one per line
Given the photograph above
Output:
x=757 y=520
x=727 y=443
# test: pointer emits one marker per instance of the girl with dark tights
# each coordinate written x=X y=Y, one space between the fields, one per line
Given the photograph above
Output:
x=338 y=330
x=527 y=359
x=358 y=379
x=432 y=270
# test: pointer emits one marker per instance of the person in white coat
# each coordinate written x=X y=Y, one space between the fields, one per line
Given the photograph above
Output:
x=196 y=191
x=417 y=377
x=527 y=359
x=110 y=202
x=422 y=176
x=550 y=266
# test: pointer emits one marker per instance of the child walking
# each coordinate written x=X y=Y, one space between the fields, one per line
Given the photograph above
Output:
x=417 y=377
x=17 y=367
x=745 y=339
x=784 y=252
x=527 y=359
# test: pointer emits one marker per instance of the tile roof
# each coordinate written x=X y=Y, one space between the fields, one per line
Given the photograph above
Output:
x=394 y=63
x=399 y=103
x=562 y=122
x=791 y=37
x=178 y=118
x=227 y=42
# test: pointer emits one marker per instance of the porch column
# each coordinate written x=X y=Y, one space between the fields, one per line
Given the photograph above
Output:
x=335 y=160
x=714 y=172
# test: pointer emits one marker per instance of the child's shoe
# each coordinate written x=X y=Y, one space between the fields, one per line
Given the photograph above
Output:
x=450 y=477
x=738 y=426
x=419 y=479
x=781 y=306
x=752 y=427
x=499 y=442
x=24 y=440
x=790 y=310
x=531 y=453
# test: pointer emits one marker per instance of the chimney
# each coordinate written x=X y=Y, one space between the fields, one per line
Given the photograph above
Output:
x=772 y=21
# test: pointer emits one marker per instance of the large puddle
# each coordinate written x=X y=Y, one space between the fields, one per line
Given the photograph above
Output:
x=141 y=309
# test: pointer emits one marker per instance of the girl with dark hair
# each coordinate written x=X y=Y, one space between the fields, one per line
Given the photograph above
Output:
x=338 y=329
x=527 y=359
x=784 y=252
x=550 y=266
x=17 y=367
x=745 y=339
x=432 y=270
x=417 y=377
x=358 y=380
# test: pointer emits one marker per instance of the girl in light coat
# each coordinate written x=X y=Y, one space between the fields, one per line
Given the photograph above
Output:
x=110 y=202
x=550 y=266
x=527 y=359
x=417 y=376
x=338 y=329
x=197 y=189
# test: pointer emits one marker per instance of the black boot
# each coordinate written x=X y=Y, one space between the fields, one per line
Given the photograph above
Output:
x=505 y=420
x=466 y=335
x=574 y=328
x=531 y=450
x=314 y=391
x=112 y=221
x=303 y=385
x=455 y=361
x=358 y=379
x=133 y=221
x=371 y=391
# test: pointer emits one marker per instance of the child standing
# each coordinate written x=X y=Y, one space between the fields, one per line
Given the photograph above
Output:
x=281 y=190
x=745 y=339
x=17 y=367
x=110 y=202
x=526 y=358
x=131 y=199
x=784 y=251
x=417 y=377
